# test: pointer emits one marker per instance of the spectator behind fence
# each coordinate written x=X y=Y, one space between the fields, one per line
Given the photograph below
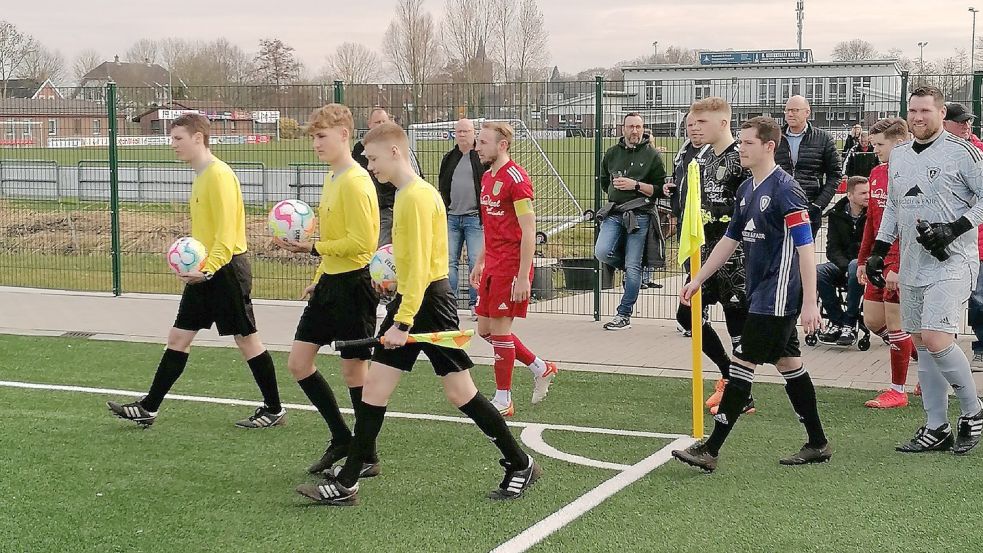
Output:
x=845 y=232
x=959 y=121
x=385 y=190
x=861 y=159
x=809 y=154
x=459 y=183
x=852 y=138
x=630 y=235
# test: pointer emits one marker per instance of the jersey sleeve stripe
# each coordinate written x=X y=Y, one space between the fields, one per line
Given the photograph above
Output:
x=515 y=174
x=974 y=152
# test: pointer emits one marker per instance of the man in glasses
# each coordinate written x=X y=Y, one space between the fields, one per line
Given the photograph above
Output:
x=809 y=155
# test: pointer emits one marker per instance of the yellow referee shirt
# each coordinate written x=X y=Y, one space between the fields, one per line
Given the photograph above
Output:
x=419 y=244
x=348 y=220
x=218 y=218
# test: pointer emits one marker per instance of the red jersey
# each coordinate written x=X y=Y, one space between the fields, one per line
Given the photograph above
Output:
x=875 y=210
x=503 y=236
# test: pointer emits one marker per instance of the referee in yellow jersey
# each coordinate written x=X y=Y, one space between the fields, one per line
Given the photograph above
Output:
x=219 y=294
x=342 y=301
x=424 y=303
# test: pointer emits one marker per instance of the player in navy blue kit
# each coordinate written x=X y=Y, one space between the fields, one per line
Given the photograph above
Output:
x=771 y=223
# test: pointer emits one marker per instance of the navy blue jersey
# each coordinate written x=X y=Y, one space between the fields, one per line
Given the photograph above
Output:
x=762 y=218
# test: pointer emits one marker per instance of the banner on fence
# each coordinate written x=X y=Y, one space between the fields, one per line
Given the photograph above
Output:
x=158 y=140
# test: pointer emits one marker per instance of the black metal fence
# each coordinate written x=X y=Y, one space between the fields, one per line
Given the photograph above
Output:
x=57 y=164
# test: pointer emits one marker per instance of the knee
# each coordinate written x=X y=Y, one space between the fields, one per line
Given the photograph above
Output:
x=180 y=340
x=788 y=365
x=299 y=369
x=684 y=317
x=936 y=342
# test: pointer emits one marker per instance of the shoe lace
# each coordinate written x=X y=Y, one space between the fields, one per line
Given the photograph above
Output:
x=260 y=411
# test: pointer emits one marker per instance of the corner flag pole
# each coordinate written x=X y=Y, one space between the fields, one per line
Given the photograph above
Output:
x=690 y=244
x=696 y=322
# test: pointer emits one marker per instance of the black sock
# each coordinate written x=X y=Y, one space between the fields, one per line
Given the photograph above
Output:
x=368 y=423
x=491 y=422
x=802 y=393
x=322 y=398
x=736 y=394
x=356 y=395
x=168 y=371
x=714 y=349
x=265 y=376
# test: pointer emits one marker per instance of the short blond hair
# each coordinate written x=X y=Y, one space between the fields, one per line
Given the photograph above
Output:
x=331 y=116
x=390 y=133
x=504 y=131
x=712 y=104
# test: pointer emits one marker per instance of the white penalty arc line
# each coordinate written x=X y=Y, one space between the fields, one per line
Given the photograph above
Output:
x=572 y=511
x=300 y=407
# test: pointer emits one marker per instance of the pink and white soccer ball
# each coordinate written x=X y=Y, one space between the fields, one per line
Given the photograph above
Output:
x=292 y=219
x=186 y=255
x=382 y=269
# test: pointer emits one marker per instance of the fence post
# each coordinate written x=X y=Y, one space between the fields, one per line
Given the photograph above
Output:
x=977 y=102
x=339 y=92
x=114 y=186
x=598 y=145
x=903 y=113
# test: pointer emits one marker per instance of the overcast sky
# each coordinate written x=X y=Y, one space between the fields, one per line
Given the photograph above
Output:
x=583 y=33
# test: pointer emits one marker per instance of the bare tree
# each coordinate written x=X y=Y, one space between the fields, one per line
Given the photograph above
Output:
x=467 y=34
x=42 y=64
x=143 y=51
x=15 y=47
x=85 y=61
x=410 y=44
x=276 y=63
x=353 y=63
x=856 y=49
x=532 y=46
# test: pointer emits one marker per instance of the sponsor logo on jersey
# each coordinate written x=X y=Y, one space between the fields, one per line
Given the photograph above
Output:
x=492 y=207
x=750 y=233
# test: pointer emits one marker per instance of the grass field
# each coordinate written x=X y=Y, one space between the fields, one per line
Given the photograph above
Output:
x=77 y=479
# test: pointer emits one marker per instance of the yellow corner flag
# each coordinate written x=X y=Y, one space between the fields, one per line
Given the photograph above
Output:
x=690 y=241
x=452 y=339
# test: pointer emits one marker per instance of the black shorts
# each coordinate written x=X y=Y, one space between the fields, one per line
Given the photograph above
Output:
x=768 y=338
x=342 y=307
x=438 y=312
x=223 y=301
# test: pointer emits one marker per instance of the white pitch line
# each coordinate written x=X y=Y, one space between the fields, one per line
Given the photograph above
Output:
x=532 y=436
x=572 y=511
x=393 y=414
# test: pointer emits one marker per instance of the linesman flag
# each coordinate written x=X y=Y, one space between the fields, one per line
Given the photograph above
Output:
x=692 y=237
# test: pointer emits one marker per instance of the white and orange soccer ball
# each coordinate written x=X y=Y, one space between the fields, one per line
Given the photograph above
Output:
x=382 y=269
x=292 y=220
x=186 y=255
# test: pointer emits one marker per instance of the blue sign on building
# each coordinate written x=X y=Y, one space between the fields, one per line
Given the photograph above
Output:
x=745 y=57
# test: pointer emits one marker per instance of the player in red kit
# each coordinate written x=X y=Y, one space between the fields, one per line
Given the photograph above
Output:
x=503 y=273
x=882 y=310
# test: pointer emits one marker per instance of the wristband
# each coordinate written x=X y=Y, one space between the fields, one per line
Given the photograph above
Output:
x=880 y=248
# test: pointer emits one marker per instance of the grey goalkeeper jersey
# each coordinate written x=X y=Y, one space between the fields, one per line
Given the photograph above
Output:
x=939 y=185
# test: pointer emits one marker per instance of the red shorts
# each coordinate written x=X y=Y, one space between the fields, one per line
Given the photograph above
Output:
x=495 y=298
x=882 y=295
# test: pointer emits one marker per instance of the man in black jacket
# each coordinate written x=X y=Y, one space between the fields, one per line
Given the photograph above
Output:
x=632 y=174
x=846 y=231
x=861 y=159
x=459 y=183
x=809 y=154
x=385 y=191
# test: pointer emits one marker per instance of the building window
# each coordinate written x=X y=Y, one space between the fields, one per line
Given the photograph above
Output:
x=649 y=93
x=838 y=90
x=96 y=127
x=791 y=87
x=52 y=127
x=27 y=127
x=10 y=128
x=77 y=127
x=767 y=91
x=814 y=89
x=841 y=116
x=861 y=87
x=701 y=89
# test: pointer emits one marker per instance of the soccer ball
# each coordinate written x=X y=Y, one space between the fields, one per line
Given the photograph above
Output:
x=382 y=269
x=292 y=219
x=186 y=255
